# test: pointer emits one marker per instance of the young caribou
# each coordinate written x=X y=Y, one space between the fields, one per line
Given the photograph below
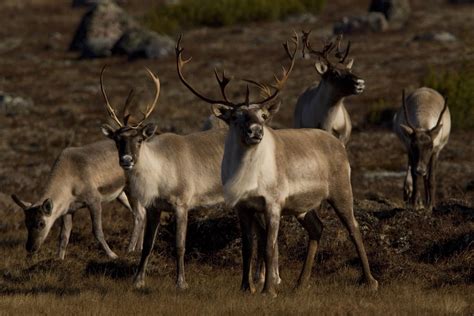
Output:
x=278 y=172
x=81 y=177
x=168 y=172
x=322 y=106
x=423 y=125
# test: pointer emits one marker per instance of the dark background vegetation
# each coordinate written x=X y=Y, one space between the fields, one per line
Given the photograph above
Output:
x=423 y=260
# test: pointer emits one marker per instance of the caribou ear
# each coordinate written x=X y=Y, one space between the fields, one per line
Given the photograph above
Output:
x=47 y=207
x=321 y=67
x=272 y=108
x=407 y=130
x=24 y=205
x=149 y=130
x=107 y=130
x=222 y=112
x=435 y=130
x=350 y=63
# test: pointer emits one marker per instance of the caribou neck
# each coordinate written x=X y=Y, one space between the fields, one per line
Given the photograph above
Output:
x=328 y=97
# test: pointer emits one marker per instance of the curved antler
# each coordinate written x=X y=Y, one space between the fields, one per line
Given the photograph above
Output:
x=179 y=65
x=328 y=47
x=152 y=106
x=442 y=112
x=339 y=53
x=279 y=82
x=108 y=107
x=405 y=110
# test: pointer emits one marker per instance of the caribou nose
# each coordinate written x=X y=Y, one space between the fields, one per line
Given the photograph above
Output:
x=421 y=171
x=359 y=86
x=126 y=161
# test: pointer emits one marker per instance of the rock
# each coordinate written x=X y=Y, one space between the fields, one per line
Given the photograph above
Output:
x=14 y=105
x=9 y=43
x=396 y=12
x=372 y=22
x=90 y=3
x=435 y=37
x=100 y=28
x=141 y=43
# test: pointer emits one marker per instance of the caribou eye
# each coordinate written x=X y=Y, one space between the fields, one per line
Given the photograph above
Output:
x=41 y=225
x=264 y=116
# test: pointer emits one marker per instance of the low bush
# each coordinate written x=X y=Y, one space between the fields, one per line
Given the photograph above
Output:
x=458 y=87
x=215 y=13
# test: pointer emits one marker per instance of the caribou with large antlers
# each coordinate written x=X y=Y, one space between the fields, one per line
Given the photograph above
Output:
x=278 y=172
x=81 y=177
x=167 y=172
x=423 y=124
x=322 y=106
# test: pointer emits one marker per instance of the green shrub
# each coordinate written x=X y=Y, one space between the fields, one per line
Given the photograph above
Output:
x=215 y=13
x=458 y=87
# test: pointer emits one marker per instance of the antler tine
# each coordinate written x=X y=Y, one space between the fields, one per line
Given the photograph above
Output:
x=108 y=107
x=179 y=65
x=265 y=89
x=442 y=111
x=126 y=108
x=342 y=55
x=151 y=107
x=405 y=110
x=222 y=83
x=328 y=47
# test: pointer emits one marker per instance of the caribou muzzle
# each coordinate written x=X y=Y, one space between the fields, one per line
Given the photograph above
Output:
x=254 y=134
x=359 y=86
x=126 y=162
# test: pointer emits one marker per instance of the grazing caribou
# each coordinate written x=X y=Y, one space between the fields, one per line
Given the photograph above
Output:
x=322 y=106
x=277 y=172
x=81 y=177
x=423 y=124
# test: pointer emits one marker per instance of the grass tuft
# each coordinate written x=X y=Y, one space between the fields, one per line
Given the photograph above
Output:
x=458 y=87
x=216 y=13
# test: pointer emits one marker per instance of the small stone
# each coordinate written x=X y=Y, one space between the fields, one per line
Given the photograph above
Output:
x=372 y=22
x=435 y=37
x=142 y=43
x=14 y=105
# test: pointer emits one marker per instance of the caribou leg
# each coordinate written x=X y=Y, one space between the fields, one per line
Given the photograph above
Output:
x=181 y=229
x=313 y=225
x=272 y=224
x=65 y=234
x=138 y=220
x=96 y=215
x=344 y=210
x=151 y=228
x=246 y=227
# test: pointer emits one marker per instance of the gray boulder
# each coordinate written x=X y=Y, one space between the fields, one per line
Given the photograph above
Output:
x=100 y=28
x=142 y=43
x=396 y=12
x=372 y=22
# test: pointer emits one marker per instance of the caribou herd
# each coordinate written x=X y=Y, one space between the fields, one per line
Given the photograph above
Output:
x=260 y=172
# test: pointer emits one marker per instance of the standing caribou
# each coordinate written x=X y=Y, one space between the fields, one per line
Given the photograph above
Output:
x=277 y=172
x=423 y=124
x=81 y=177
x=167 y=172
x=322 y=106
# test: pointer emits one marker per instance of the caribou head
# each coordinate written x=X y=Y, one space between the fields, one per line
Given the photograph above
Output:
x=38 y=222
x=337 y=74
x=421 y=140
x=129 y=137
x=248 y=116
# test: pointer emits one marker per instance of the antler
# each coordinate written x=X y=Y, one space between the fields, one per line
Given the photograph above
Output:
x=108 y=107
x=126 y=108
x=339 y=53
x=328 y=47
x=179 y=65
x=442 y=111
x=151 y=107
x=405 y=110
x=279 y=82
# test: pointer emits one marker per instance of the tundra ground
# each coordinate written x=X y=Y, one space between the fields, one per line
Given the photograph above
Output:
x=424 y=261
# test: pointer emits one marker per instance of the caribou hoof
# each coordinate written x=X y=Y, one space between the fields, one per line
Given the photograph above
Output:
x=112 y=255
x=269 y=292
x=139 y=282
x=373 y=285
x=182 y=285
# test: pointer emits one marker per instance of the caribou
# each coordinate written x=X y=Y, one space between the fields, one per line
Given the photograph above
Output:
x=278 y=172
x=423 y=124
x=168 y=172
x=80 y=177
x=322 y=106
